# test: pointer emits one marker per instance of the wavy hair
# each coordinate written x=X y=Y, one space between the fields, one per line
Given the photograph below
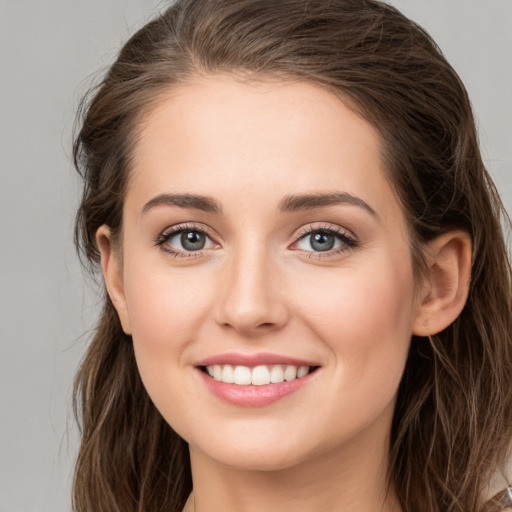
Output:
x=453 y=420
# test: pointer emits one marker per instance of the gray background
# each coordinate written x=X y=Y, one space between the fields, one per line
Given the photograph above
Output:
x=48 y=51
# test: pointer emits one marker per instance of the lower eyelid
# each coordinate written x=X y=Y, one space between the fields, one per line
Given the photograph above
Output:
x=209 y=243
x=174 y=231
x=344 y=241
x=342 y=236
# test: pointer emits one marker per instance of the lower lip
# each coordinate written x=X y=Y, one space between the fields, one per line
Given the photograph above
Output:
x=250 y=395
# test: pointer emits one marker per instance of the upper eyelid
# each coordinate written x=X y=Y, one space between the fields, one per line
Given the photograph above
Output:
x=311 y=228
x=171 y=230
x=348 y=239
x=301 y=233
x=162 y=241
x=164 y=236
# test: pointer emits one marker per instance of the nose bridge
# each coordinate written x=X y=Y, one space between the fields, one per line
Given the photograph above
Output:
x=251 y=299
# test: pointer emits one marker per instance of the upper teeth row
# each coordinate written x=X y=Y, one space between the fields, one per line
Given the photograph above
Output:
x=258 y=376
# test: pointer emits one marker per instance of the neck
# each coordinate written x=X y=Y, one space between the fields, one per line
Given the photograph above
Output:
x=347 y=479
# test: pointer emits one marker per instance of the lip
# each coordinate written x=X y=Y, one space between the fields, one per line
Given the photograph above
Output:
x=252 y=360
x=251 y=395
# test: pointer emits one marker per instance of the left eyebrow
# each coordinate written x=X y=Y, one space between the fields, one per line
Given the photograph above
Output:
x=311 y=201
x=192 y=201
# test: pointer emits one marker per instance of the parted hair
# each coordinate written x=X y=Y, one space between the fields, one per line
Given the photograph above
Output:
x=453 y=420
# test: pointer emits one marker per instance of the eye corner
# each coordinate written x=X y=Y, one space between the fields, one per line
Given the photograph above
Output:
x=331 y=241
x=172 y=242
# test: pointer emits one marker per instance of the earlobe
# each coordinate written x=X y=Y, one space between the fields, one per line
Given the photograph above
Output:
x=446 y=287
x=113 y=274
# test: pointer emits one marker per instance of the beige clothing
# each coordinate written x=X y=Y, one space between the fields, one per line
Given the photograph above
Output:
x=502 y=502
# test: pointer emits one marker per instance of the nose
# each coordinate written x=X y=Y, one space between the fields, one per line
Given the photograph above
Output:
x=251 y=298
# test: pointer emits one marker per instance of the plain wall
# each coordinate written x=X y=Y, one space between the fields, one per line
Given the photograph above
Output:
x=48 y=51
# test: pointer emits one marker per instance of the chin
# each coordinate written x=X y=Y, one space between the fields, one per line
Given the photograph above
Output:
x=257 y=458
x=257 y=449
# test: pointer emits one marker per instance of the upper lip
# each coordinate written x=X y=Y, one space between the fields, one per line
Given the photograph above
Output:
x=252 y=360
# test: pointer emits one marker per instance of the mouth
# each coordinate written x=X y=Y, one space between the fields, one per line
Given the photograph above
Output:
x=260 y=375
x=255 y=380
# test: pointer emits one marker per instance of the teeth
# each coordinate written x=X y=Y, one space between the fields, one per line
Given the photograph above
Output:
x=276 y=374
x=228 y=374
x=290 y=373
x=257 y=376
x=242 y=375
x=260 y=376
x=302 y=371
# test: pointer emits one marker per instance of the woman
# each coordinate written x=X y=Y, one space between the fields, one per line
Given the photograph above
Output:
x=309 y=293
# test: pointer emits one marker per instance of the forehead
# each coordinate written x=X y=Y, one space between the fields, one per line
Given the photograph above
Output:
x=275 y=137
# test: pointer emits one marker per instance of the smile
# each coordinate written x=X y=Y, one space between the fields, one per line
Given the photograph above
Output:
x=255 y=380
x=257 y=376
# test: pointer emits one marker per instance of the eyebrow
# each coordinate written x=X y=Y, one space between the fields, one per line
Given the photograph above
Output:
x=193 y=201
x=288 y=204
x=311 y=201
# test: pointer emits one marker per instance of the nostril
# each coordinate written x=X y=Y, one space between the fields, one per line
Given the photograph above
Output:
x=263 y=325
x=250 y=312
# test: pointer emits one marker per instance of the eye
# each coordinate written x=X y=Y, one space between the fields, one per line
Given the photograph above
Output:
x=190 y=240
x=182 y=240
x=320 y=241
x=323 y=240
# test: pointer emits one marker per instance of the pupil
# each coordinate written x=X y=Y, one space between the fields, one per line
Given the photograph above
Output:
x=192 y=240
x=322 y=241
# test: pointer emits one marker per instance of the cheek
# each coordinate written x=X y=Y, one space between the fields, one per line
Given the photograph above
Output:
x=163 y=300
x=376 y=300
x=166 y=309
x=366 y=325
x=365 y=319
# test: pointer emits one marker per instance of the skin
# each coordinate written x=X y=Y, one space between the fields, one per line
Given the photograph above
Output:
x=258 y=286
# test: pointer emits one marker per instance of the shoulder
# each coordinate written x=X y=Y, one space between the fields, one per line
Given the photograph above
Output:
x=500 y=502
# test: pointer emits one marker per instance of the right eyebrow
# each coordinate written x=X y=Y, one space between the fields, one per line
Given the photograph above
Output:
x=193 y=201
x=312 y=201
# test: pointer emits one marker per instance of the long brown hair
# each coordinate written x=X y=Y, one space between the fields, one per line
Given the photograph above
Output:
x=453 y=421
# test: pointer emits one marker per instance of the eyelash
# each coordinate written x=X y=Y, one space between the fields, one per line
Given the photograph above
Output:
x=167 y=235
x=347 y=240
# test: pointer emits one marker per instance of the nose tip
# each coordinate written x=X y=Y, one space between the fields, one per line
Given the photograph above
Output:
x=252 y=300
x=251 y=320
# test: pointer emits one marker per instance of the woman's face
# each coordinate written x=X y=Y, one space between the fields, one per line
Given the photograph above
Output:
x=261 y=237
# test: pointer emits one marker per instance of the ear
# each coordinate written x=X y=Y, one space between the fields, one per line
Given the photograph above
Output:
x=445 y=289
x=111 y=267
